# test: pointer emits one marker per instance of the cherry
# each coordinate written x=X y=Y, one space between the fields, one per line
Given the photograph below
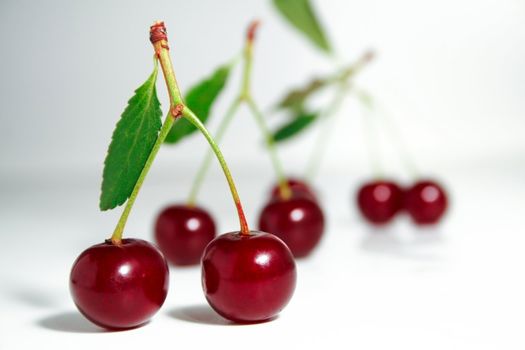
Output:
x=119 y=286
x=426 y=202
x=182 y=232
x=297 y=186
x=298 y=221
x=248 y=277
x=379 y=201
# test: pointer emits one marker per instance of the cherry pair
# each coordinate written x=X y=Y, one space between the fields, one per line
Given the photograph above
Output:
x=245 y=278
x=379 y=201
x=183 y=232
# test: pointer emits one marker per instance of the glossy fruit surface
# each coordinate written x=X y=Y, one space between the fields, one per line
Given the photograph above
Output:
x=298 y=187
x=380 y=201
x=426 y=202
x=298 y=221
x=248 y=278
x=122 y=286
x=182 y=232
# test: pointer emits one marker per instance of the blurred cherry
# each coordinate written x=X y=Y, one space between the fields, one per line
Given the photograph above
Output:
x=379 y=201
x=182 y=232
x=298 y=187
x=426 y=202
x=298 y=221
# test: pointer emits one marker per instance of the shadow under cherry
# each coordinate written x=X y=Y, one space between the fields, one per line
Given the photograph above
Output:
x=204 y=314
x=69 y=322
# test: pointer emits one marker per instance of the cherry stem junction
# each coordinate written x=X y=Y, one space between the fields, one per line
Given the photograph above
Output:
x=244 y=96
x=159 y=39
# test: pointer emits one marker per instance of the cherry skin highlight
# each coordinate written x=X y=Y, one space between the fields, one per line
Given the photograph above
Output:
x=426 y=202
x=248 y=278
x=298 y=221
x=182 y=232
x=379 y=201
x=118 y=287
x=297 y=186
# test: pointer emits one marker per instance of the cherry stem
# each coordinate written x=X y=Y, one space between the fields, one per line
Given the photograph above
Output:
x=192 y=118
x=284 y=189
x=321 y=143
x=159 y=39
x=205 y=165
x=116 y=237
x=394 y=134
x=341 y=78
x=244 y=96
x=372 y=146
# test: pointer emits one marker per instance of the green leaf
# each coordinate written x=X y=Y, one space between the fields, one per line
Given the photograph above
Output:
x=131 y=144
x=296 y=98
x=294 y=127
x=301 y=15
x=200 y=100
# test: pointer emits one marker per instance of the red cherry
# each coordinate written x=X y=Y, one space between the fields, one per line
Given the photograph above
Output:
x=182 y=232
x=298 y=221
x=248 y=278
x=297 y=186
x=426 y=202
x=120 y=286
x=379 y=201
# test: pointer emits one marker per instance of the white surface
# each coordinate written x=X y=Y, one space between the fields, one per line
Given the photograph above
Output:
x=459 y=286
x=450 y=72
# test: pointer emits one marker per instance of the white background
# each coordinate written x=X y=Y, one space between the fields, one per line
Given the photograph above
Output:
x=451 y=75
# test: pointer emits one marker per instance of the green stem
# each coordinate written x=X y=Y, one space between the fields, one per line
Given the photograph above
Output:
x=203 y=169
x=116 y=238
x=284 y=188
x=321 y=144
x=159 y=40
x=395 y=137
x=192 y=118
x=341 y=78
x=371 y=141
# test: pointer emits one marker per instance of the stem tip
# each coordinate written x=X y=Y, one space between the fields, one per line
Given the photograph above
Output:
x=157 y=32
x=252 y=29
x=368 y=56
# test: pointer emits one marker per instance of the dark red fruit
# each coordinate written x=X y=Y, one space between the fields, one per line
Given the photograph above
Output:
x=379 y=201
x=248 y=278
x=298 y=221
x=426 y=202
x=298 y=187
x=121 y=286
x=182 y=232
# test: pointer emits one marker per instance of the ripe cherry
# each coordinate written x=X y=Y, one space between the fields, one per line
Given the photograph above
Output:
x=182 y=232
x=248 y=278
x=298 y=221
x=297 y=186
x=426 y=202
x=379 y=201
x=119 y=286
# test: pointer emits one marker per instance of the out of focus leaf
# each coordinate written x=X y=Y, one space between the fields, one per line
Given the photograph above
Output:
x=301 y=15
x=294 y=127
x=131 y=144
x=296 y=98
x=200 y=100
